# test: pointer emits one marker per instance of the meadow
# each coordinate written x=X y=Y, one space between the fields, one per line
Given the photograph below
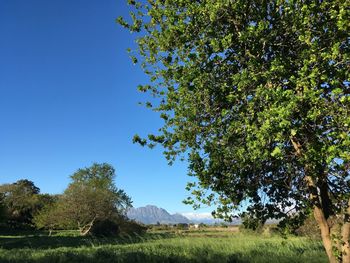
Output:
x=207 y=245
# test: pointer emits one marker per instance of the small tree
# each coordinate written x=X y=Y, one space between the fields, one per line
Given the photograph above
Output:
x=91 y=197
x=47 y=217
x=257 y=94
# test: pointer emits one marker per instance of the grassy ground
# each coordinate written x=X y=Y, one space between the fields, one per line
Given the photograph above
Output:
x=160 y=246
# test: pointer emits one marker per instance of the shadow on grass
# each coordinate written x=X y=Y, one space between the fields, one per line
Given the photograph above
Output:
x=67 y=247
x=41 y=240
x=105 y=256
x=108 y=254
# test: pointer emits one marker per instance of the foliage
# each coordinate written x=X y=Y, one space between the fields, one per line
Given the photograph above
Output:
x=182 y=226
x=105 y=227
x=2 y=209
x=309 y=228
x=90 y=198
x=19 y=202
x=48 y=217
x=202 y=225
x=159 y=227
x=257 y=94
x=251 y=223
x=131 y=227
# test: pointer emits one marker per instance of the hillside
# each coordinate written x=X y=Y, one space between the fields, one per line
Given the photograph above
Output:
x=152 y=215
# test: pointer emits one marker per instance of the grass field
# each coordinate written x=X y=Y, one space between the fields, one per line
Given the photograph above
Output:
x=212 y=245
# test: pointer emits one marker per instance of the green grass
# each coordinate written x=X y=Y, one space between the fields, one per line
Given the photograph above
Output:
x=182 y=246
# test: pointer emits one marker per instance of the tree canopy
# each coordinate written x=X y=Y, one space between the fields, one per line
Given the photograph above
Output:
x=90 y=198
x=19 y=202
x=255 y=94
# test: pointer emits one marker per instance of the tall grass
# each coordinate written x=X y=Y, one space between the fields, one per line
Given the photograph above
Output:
x=196 y=246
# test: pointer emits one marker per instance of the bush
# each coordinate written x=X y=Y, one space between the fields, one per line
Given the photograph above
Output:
x=105 y=228
x=182 y=226
x=251 y=225
x=160 y=227
x=130 y=227
x=202 y=225
x=309 y=228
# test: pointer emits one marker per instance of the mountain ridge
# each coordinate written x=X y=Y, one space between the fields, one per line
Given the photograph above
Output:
x=151 y=214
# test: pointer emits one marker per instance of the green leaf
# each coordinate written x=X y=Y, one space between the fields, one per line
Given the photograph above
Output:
x=276 y=152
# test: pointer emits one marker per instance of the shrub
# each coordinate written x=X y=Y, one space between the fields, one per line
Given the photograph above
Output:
x=130 y=227
x=182 y=226
x=105 y=228
x=160 y=227
x=251 y=225
x=309 y=228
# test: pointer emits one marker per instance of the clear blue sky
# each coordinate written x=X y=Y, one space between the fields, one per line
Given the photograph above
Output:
x=68 y=98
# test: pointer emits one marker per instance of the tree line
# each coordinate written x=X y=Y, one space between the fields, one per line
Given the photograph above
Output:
x=91 y=204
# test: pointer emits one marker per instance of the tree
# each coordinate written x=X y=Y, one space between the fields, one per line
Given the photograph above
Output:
x=20 y=202
x=255 y=94
x=2 y=210
x=46 y=217
x=90 y=198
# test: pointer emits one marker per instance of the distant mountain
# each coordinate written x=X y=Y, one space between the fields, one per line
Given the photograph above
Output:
x=151 y=214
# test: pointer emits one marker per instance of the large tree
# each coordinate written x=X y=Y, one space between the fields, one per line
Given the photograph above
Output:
x=90 y=198
x=256 y=94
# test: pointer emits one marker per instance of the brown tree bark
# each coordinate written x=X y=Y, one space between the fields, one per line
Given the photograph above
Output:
x=345 y=234
x=325 y=234
x=321 y=219
x=86 y=229
x=318 y=208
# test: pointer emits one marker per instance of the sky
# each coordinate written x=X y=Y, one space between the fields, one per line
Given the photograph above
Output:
x=68 y=98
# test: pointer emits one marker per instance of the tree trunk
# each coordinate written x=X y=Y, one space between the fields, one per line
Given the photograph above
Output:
x=321 y=219
x=325 y=234
x=318 y=207
x=86 y=229
x=345 y=234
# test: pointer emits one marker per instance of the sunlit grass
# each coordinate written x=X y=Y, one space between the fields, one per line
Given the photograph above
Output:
x=183 y=246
